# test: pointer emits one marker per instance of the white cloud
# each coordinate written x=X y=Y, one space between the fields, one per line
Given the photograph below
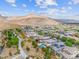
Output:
x=45 y=3
x=24 y=5
x=14 y=5
x=75 y=1
x=30 y=0
x=49 y=11
x=3 y=13
x=50 y=2
x=41 y=6
x=63 y=10
x=11 y=1
x=69 y=7
x=70 y=3
x=53 y=11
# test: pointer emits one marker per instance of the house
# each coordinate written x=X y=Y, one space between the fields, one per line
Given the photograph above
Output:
x=31 y=34
x=48 y=42
x=39 y=37
x=69 y=53
x=53 y=43
x=58 y=46
x=69 y=33
x=41 y=45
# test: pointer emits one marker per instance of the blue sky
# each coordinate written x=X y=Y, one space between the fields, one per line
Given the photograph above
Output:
x=65 y=9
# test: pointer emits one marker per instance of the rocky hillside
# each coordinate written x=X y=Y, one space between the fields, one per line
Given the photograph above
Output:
x=5 y=25
x=32 y=19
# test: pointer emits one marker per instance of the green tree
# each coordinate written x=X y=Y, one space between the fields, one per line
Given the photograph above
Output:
x=48 y=53
x=34 y=43
x=77 y=42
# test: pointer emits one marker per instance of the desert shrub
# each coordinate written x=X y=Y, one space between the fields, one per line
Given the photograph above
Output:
x=34 y=43
x=27 y=48
x=22 y=43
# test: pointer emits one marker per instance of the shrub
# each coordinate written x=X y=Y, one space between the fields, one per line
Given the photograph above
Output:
x=48 y=53
x=10 y=53
x=68 y=41
x=27 y=48
x=41 y=33
x=68 y=44
x=12 y=39
x=77 y=42
x=19 y=30
x=64 y=39
x=22 y=43
x=34 y=43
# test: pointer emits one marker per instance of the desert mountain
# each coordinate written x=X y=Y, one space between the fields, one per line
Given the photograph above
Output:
x=32 y=19
x=5 y=25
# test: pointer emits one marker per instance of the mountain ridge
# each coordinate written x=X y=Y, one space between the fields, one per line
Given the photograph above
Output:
x=33 y=20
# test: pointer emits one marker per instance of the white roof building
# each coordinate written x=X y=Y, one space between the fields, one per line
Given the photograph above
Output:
x=28 y=34
x=70 y=53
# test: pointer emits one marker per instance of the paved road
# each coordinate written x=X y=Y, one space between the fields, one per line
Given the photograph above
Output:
x=22 y=53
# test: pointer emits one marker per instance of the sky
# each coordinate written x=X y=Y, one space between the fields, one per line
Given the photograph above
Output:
x=60 y=9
